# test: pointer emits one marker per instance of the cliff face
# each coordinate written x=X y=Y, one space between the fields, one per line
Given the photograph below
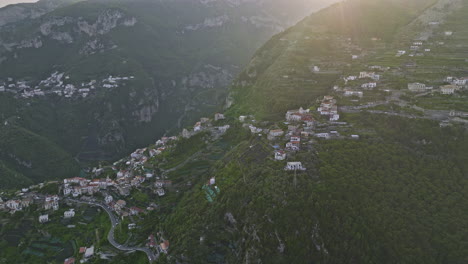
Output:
x=19 y=12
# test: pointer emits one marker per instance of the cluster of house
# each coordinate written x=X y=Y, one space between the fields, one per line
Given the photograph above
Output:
x=299 y=115
x=160 y=184
x=67 y=215
x=55 y=84
x=48 y=202
x=329 y=108
x=419 y=87
x=120 y=207
x=113 y=82
x=455 y=84
x=295 y=132
x=162 y=246
x=15 y=205
x=20 y=87
x=205 y=125
x=78 y=186
x=416 y=49
x=294 y=166
x=374 y=77
x=88 y=252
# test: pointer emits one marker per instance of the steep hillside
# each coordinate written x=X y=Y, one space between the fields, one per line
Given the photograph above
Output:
x=385 y=198
x=372 y=168
x=281 y=72
x=99 y=78
x=379 y=200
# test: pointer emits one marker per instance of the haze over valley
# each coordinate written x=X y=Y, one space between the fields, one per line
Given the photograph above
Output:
x=234 y=131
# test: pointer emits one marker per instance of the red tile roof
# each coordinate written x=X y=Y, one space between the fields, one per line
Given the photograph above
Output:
x=69 y=261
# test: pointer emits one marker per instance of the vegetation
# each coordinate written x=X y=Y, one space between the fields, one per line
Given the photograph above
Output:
x=174 y=68
x=395 y=195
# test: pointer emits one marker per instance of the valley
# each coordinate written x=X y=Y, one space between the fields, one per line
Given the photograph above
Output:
x=97 y=79
x=343 y=140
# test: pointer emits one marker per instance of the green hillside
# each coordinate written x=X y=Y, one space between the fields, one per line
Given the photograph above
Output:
x=377 y=200
x=280 y=76
x=33 y=156
x=386 y=183
x=181 y=57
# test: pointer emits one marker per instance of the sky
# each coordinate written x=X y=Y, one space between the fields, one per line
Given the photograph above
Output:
x=8 y=2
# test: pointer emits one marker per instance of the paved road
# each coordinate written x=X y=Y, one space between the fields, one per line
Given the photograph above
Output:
x=115 y=221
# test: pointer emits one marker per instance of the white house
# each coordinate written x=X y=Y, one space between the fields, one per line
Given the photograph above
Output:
x=43 y=218
x=351 y=78
x=160 y=192
x=255 y=130
x=334 y=117
x=212 y=181
x=460 y=82
x=69 y=214
x=51 y=205
x=242 y=118
x=67 y=191
x=280 y=155
x=108 y=199
x=197 y=127
x=363 y=75
x=296 y=115
x=448 y=89
x=369 y=85
x=448 y=33
x=401 y=52
x=13 y=205
x=219 y=116
x=223 y=129
x=290 y=166
x=293 y=145
x=417 y=87
x=295 y=139
x=89 y=252
x=353 y=93
x=323 y=135
x=276 y=132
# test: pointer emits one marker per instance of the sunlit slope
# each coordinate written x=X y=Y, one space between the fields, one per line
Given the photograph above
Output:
x=280 y=74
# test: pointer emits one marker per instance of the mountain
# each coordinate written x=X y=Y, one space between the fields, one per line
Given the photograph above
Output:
x=14 y=13
x=99 y=78
x=385 y=198
x=385 y=183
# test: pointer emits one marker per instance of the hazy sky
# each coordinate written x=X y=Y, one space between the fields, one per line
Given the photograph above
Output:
x=8 y=2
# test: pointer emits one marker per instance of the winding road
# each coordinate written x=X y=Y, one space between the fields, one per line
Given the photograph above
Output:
x=115 y=221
